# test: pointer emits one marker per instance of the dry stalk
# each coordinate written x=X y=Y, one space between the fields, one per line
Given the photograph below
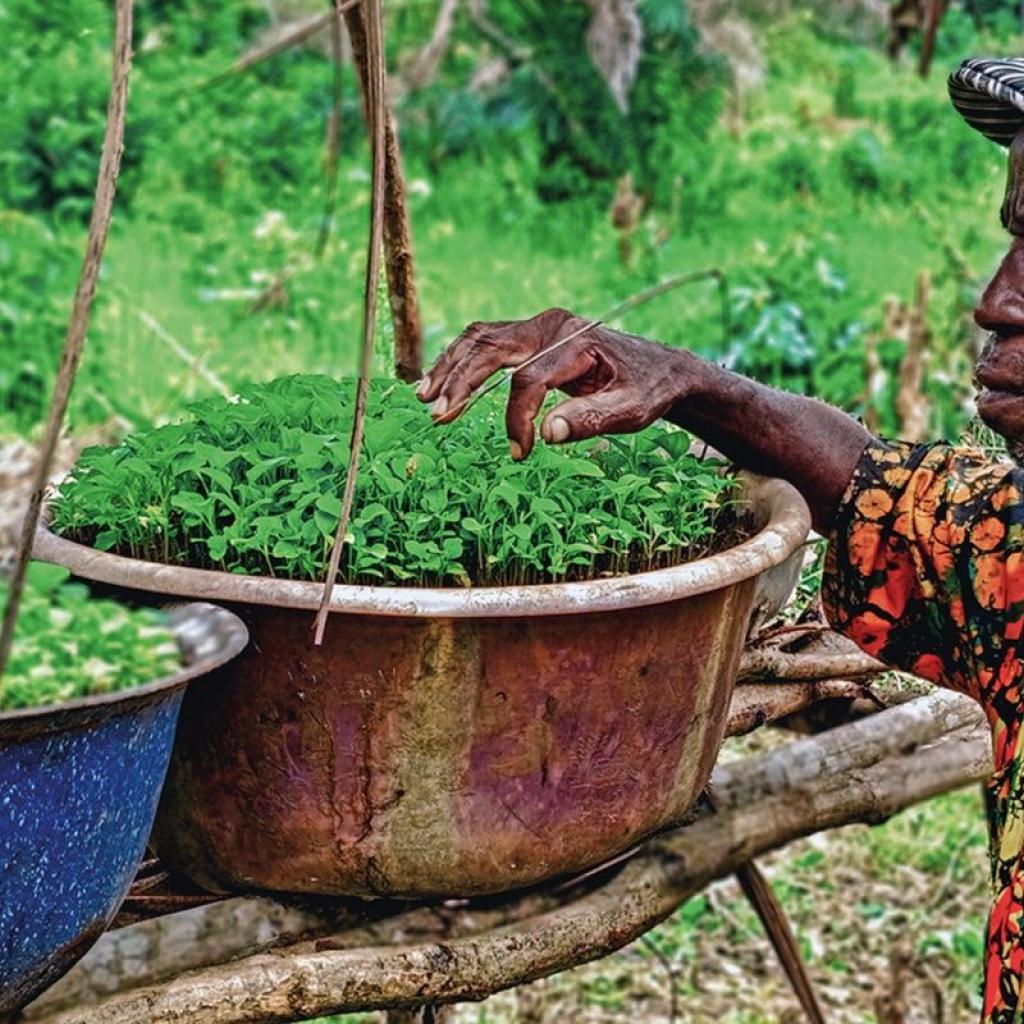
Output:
x=423 y=68
x=193 y=361
x=936 y=12
x=761 y=896
x=306 y=29
x=376 y=108
x=912 y=404
x=670 y=284
x=78 y=326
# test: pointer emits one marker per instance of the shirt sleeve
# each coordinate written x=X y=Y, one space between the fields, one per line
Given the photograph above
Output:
x=925 y=566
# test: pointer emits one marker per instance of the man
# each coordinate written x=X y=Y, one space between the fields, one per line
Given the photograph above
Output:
x=925 y=566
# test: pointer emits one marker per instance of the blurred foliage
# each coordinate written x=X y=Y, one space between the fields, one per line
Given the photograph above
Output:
x=819 y=188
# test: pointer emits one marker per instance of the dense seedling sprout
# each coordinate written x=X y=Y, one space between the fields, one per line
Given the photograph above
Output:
x=251 y=487
x=69 y=645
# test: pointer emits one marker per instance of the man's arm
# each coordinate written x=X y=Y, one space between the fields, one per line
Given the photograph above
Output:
x=620 y=383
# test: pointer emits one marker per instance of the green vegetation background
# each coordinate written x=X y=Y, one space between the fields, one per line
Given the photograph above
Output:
x=820 y=190
x=825 y=186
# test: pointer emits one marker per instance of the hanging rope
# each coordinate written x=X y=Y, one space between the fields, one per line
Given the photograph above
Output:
x=376 y=84
x=78 y=325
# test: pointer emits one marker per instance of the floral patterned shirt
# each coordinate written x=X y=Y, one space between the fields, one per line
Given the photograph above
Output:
x=925 y=570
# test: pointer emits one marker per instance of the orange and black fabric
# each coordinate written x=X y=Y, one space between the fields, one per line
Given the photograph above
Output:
x=925 y=570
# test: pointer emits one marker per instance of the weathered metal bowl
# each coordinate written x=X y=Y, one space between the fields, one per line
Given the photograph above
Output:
x=449 y=742
x=79 y=784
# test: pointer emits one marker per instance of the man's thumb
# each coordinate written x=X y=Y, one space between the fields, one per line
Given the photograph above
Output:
x=609 y=412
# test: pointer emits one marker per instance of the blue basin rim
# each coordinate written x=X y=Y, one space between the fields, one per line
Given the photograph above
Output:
x=209 y=635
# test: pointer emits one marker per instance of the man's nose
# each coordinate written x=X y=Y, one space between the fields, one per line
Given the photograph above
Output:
x=1001 y=308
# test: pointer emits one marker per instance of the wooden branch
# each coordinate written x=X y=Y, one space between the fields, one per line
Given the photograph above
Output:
x=761 y=896
x=864 y=771
x=376 y=110
x=78 y=326
x=161 y=947
x=397 y=229
x=756 y=704
x=933 y=19
x=422 y=70
x=305 y=29
x=771 y=663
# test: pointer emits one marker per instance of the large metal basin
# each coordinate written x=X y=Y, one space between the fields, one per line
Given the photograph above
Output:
x=451 y=742
x=79 y=784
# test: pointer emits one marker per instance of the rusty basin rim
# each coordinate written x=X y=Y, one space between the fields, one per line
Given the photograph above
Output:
x=226 y=638
x=774 y=502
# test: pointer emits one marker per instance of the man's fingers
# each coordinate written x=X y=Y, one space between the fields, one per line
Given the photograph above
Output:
x=530 y=386
x=430 y=386
x=524 y=402
x=608 y=412
x=479 y=363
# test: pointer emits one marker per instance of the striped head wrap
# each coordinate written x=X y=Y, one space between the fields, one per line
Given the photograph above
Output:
x=989 y=95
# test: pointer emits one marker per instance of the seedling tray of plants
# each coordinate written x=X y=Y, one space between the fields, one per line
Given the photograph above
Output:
x=526 y=668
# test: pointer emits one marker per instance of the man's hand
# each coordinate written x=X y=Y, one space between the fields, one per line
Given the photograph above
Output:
x=618 y=383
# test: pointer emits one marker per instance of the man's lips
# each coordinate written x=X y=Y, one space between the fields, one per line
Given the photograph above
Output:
x=1001 y=366
x=1000 y=375
x=1003 y=411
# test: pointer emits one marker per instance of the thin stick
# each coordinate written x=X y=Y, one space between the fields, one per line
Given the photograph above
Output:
x=78 y=325
x=333 y=141
x=376 y=81
x=641 y=298
x=769 y=910
x=306 y=30
x=194 y=362
x=614 y=313
x=671 y=971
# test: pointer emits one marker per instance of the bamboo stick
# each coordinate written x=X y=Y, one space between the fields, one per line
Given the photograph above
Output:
x=78 y=326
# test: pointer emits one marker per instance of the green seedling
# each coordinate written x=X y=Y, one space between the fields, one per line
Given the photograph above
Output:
x=70 y=645
x=252 y=487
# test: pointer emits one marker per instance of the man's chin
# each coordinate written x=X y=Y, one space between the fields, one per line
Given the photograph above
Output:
x=1003 y=411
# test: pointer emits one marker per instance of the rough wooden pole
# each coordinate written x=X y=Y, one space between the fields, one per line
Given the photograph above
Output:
x=78 y=326
x=397 y=230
